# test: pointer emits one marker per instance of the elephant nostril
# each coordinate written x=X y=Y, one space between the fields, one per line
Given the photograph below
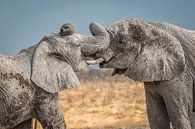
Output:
x=66 y=27
x=62 y=30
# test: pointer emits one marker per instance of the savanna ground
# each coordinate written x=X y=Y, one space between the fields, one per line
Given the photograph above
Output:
x=103 y=101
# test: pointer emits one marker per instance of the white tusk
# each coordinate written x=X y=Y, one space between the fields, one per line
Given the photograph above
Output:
x=97 y=61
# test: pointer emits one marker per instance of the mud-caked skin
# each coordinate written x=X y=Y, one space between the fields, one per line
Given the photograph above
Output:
x=31 y=80
x=48 y=111
x=162 y=56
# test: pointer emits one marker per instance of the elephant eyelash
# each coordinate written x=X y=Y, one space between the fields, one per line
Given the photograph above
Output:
x=71 y=43
x=76 y=45
x=57 y=55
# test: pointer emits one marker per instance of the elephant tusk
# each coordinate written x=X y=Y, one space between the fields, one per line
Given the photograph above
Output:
x=97 y=61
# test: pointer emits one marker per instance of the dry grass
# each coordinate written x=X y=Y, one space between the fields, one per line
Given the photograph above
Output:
x=104 y=104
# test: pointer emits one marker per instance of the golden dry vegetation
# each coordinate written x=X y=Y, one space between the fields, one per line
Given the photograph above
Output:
x=110 y=103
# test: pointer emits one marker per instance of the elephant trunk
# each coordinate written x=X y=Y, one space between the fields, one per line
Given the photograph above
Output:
x=96 y=43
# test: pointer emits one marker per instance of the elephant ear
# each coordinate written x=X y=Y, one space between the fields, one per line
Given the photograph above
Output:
x=162 y=58
x=50 y=73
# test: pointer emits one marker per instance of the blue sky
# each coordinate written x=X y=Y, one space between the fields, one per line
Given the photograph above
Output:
x=24 y=22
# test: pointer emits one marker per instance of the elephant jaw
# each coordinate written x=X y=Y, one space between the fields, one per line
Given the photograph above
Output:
x=115 y=70
x=104 y=64
x=100 y=57
x=118 y=71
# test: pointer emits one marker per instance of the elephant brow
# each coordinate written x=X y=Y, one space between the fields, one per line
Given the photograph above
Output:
x=52 y=40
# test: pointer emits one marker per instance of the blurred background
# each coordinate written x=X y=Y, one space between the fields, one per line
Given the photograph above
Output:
x=25 y=22
x=102 y=101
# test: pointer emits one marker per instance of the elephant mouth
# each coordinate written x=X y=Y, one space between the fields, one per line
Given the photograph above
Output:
x=100 y=57
x=97 y=59
x=118 y=71
x=94 y=59
x=115 y=70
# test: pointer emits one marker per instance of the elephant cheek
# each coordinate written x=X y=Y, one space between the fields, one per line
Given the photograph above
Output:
x=107 y=55
x=82 y=65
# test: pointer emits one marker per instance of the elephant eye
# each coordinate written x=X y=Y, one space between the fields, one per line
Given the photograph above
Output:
x=121 y=43
x=75 y=44
x=78 y=45
x=138 y=32
x=57 y=55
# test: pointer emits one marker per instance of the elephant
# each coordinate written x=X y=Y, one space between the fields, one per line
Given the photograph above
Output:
x=31 y=80
x=162 y=56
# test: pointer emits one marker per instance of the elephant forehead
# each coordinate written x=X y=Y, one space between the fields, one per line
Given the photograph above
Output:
x=75 y=38
x=120 y=27
x=59 y=41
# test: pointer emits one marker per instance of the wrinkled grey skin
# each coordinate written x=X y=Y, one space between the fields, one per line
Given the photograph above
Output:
x=31 y=80
x=163 y=57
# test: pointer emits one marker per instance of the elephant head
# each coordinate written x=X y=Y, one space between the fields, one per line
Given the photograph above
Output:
x=142 y=52
x=59 y=56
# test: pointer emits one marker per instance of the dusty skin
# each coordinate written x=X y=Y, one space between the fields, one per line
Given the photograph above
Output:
x=31 y=80
x=162 y=56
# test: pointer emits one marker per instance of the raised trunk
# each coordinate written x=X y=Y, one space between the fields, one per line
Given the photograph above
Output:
x=96 y=43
